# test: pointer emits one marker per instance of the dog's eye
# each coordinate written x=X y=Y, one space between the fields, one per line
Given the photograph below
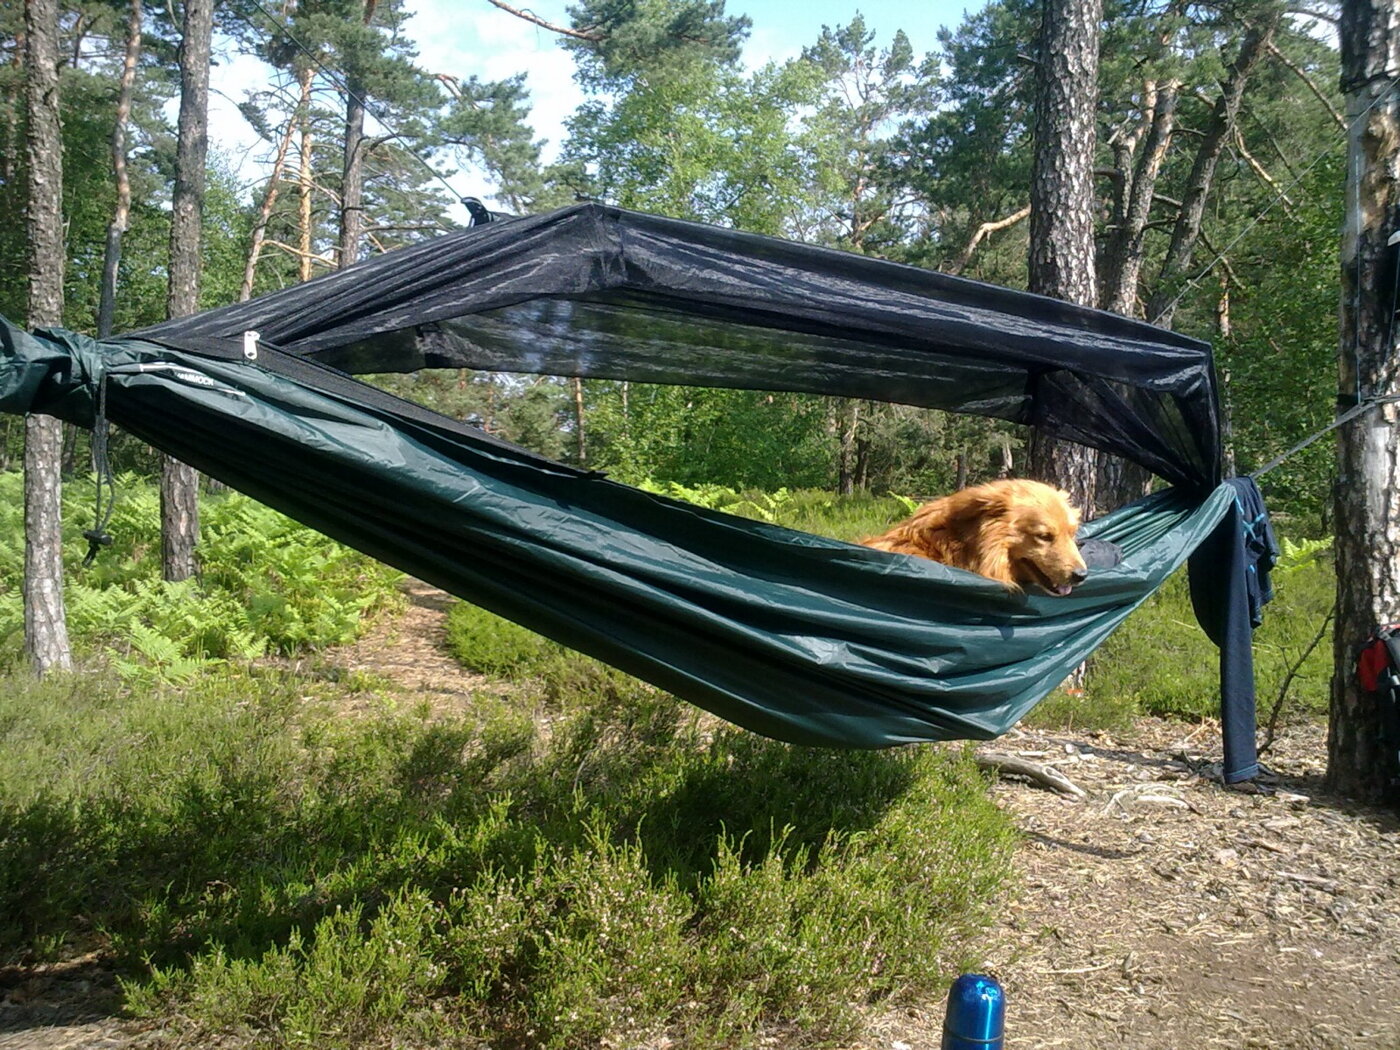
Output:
x=1045 y=536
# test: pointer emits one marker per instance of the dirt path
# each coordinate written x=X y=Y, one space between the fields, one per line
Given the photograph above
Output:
x=410 y=651
x=1167 y=912
x=1163 y=912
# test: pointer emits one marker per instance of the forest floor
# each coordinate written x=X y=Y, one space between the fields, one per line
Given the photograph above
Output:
x=1164 y=911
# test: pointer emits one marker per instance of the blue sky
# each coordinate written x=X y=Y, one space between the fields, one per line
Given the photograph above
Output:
x=465 y=37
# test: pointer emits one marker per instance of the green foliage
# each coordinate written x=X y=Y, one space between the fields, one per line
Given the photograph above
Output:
x=741 y=438
x=633 y=40
x=487 y=644
x=267 y=870
x=764 y=506
x=267 y=584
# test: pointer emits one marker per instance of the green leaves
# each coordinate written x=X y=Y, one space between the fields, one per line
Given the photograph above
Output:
x=267 y=584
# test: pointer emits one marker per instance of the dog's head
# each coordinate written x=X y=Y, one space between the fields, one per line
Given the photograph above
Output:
x=1031 y=526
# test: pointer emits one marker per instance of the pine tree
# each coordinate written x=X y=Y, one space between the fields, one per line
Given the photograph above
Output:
x=1062 y=201
x=45 y=624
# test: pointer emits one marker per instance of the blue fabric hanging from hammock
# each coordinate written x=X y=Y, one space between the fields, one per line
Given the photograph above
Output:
x=795 y=636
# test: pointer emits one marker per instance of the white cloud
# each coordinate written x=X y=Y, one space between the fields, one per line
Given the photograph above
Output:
x=489 y=43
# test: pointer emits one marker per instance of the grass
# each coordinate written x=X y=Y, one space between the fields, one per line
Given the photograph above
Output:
x=257 y=866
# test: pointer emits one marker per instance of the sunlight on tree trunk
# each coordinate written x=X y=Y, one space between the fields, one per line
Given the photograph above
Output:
x=45 y=622
x=1062 y=201
x=1218 y=132
x=112 y=255
x=269 y=200
x=304 y=183
x=1367 y=543
x=179 y=487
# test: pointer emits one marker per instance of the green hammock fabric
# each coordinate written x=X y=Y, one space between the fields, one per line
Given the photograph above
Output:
x=798 y=637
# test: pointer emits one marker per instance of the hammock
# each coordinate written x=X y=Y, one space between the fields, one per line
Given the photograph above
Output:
x=795 y=636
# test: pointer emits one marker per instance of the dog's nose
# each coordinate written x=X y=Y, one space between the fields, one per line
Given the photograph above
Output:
x=1078 y=576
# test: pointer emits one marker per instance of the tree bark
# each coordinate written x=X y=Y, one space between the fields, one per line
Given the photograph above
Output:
x=1123 y=256
x=45 y=622
x=179 y=483
x=352 y=183
x=1119 y=480
x=1062 y=200
x=580 y=423
x=1219 y=129
x=982 y=233
x=1367 y=544
x=848 y=425
x=112 y=255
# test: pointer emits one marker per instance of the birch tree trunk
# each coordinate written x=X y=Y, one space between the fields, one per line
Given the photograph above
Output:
x=304 y=242
x=1062 y=200
x=1367 y=541
x=179 y=482
x=45 y=623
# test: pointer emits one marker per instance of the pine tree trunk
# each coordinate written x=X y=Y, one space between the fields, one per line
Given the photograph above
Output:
x=580 y=423
x=849 y=425
x=45 y=623
x=1123 y=256
x=352 y=183
x=179 y=483
x=1062 y=200
x=11 y=103
x=112 y=256
x=1367 y=541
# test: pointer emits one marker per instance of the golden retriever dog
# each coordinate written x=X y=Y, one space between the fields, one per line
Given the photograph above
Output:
x=1014 y=531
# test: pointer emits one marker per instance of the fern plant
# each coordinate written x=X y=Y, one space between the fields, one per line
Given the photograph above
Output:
x=267 y=583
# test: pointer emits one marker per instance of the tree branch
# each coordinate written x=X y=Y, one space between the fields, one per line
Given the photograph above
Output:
x=983 y=232
x=1302 y=75
x=1288 y=680
x=1034 y=771
x=593 y=36
x=1264 y=176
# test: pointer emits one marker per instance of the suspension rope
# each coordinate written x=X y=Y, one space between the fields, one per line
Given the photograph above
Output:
x=1342 y=420
x=98 y=536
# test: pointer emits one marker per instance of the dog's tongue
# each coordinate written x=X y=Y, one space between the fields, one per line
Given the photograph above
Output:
x=1063 y=590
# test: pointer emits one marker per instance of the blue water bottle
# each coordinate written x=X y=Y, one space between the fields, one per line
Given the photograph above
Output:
x=976 y=1017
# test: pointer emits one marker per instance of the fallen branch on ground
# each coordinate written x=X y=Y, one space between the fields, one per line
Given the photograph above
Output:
x=1033 y=771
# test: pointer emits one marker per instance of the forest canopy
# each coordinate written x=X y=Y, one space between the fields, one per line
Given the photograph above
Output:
x=1218 y=184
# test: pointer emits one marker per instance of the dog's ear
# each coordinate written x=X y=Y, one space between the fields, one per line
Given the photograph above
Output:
x=1071 y=511
x=977 y=505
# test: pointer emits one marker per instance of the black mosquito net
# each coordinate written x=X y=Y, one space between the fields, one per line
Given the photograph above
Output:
x=601 y=292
